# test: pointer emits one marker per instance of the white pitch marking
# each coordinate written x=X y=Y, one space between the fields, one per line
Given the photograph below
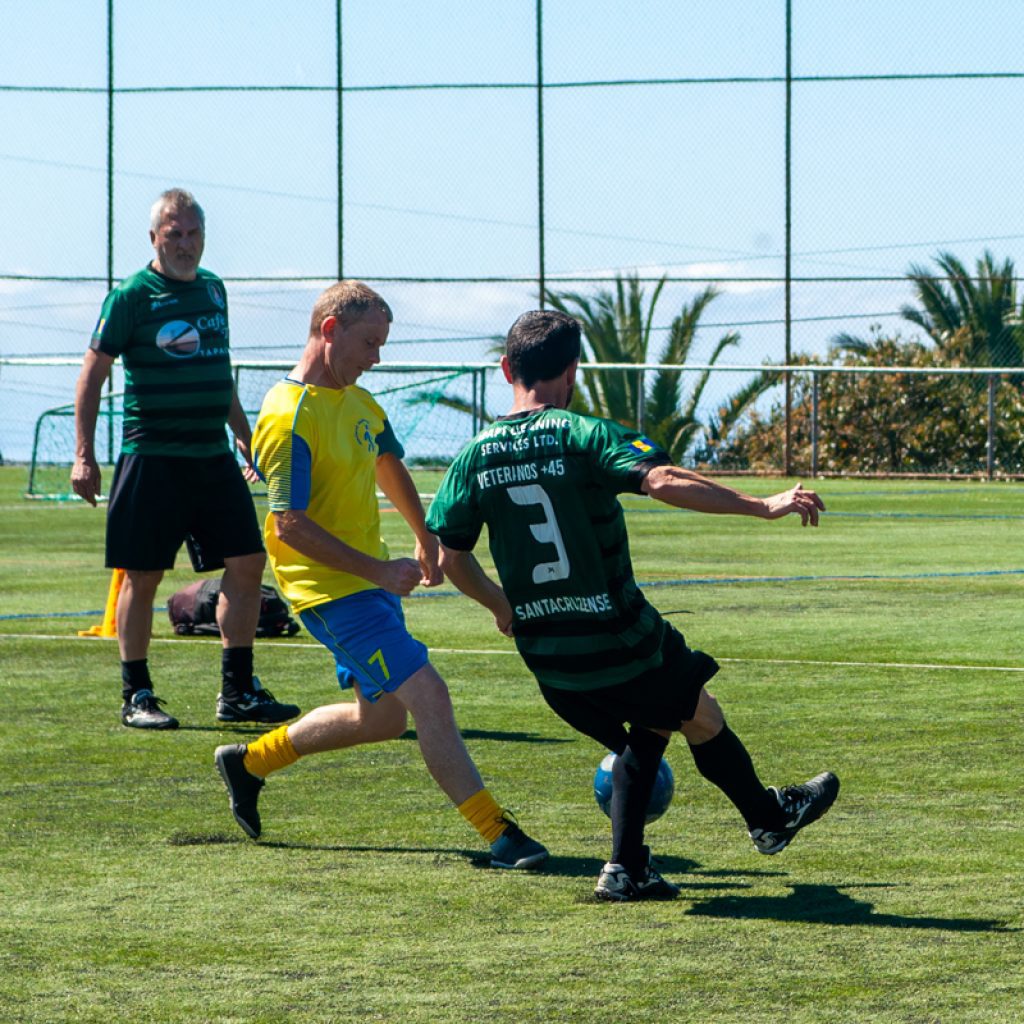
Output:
x=912 y=666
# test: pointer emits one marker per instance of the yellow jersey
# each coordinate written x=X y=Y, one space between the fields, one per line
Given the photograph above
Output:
x=316 y=448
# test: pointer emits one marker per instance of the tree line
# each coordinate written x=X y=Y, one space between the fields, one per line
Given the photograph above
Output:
x=870 y=423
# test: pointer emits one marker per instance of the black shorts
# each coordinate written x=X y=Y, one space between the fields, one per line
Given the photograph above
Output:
x=662 y=698
x=159 y=501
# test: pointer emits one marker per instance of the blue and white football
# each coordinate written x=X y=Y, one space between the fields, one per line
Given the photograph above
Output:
x=661 y=795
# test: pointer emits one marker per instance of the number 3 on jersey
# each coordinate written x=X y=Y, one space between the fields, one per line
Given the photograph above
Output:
x=546 y=532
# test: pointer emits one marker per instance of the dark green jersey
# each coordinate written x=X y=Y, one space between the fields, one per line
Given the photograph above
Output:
x=546 y=484
x=172 y=337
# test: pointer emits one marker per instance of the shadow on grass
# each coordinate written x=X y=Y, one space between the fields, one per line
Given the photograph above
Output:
x=555 y=866
x=825 y=904
x=504 y=737
x=252 y=729
x=258 y=729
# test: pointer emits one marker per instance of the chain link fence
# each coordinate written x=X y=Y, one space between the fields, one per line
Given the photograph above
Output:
x=475 y=160
x=845 y=421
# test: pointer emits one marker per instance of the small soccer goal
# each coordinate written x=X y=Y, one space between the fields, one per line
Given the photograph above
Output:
x=53 y=448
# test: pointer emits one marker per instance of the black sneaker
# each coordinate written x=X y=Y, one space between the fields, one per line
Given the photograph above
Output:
x=256 y=706
x=617 y=885
x=142 y=711
x=801 y=805
x=243 y=787
x=514 y=849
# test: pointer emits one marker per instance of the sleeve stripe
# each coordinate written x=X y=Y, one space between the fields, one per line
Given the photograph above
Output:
x=301 y=474
x=388 y=443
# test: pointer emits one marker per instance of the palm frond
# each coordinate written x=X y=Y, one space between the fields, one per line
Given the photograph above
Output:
x=849 y=344
x=618 y=326
x=973 y=315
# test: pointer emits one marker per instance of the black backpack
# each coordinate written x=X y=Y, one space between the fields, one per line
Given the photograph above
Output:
x=193 y=611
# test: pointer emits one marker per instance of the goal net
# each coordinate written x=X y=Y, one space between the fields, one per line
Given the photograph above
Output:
x=434 y=411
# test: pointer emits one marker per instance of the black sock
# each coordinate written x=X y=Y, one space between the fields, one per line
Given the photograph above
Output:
x=633 y=776
x=135 y=677
x=724 y=761
x=236 y=672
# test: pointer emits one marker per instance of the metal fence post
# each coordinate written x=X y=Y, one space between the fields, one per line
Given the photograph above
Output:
x=990 y=444
x=814 y=424
x=641 y=401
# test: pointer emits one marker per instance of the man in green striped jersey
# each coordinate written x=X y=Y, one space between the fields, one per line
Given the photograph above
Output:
x=176 y=478
x=545 y=481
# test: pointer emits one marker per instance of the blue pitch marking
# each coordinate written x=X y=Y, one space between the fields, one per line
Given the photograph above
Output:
x=924 y=515
x=708 y=581
x=52 y=615
x=845 y=576
x=854 y=515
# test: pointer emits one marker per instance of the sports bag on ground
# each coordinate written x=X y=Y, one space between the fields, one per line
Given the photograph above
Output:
x=193 y=611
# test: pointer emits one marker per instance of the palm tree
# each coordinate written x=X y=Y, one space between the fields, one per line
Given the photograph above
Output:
x=976 y=313
x=617 y=326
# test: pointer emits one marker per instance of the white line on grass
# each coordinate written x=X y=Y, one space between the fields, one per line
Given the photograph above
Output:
x=914 y=666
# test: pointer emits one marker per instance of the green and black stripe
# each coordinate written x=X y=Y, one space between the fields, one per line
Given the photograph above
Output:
x=172 y=337
x=546 y=485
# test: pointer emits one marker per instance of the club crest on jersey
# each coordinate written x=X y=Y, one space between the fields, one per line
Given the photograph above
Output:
x=365 y=438
x=178 y=338
x=216 y=294
x=643 y=445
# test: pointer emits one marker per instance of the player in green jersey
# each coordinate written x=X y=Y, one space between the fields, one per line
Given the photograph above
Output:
x=545 y=482
x=176 y=478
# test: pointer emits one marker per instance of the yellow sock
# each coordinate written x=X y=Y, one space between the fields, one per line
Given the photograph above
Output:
x=271 y=752
x=481 y=810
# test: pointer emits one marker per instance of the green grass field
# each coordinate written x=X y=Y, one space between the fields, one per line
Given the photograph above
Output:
x=886 y=646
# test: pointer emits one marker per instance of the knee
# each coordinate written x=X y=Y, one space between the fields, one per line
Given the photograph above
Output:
x=392 y=724
x=425 y=693
x=707 y=721
x=140 y=584
x=384 y=721
x=246 y=570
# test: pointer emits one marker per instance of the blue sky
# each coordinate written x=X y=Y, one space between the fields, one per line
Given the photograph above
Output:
x=680 y=178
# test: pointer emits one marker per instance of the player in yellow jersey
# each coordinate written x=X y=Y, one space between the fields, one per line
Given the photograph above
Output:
x=323 y=446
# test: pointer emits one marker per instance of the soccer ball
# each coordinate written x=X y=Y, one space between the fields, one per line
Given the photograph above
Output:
x=661 y=795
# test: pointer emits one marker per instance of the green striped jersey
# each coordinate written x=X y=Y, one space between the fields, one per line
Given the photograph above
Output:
x=545 y=483
x=172 y=337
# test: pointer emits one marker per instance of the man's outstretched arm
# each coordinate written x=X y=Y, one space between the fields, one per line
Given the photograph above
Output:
x=683 y=488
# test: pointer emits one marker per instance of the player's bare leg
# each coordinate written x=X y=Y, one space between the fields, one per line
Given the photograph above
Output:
x=426 y=696
x=348 y=724
x=707 y=721
x=135 y=612
x=337 y=726
x=141 y=707
x=238 y=609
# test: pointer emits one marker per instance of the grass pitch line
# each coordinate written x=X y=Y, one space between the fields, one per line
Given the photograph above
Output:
x=923 y=667
x=192 y=640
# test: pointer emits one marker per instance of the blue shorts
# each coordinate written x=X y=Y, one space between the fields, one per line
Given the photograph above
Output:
x=366 y=634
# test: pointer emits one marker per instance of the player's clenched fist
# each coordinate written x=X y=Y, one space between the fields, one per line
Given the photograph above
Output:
x=401 y=576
